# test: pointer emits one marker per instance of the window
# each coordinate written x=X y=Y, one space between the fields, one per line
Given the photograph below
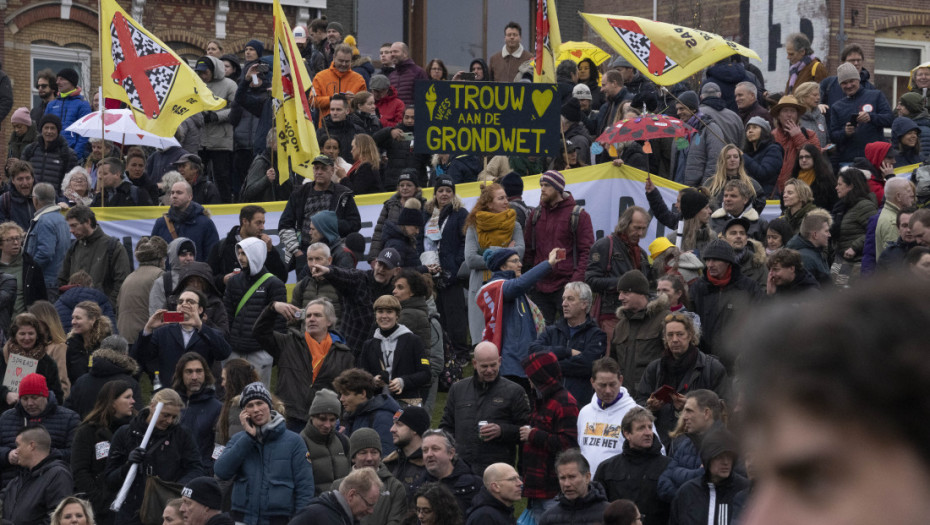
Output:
x=56 y=59
x=894 y=60
x=379 y=21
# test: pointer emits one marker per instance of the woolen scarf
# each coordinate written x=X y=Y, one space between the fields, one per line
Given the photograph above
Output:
x=494 y=229
x=725 y=280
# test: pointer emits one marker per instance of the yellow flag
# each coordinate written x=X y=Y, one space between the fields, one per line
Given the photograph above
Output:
x=297 y=144
x=548 y=41
x=665 y=53
x=140 y=70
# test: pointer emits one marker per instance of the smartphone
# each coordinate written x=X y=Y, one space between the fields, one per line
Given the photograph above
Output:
x=561 y=253
x=172 y=317
x=853 y=120
x=408 y=136
x=467 y=75
x=664 y=393
x=263 y=68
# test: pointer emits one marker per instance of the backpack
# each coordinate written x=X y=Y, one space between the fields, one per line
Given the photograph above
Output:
x=576 y=213
x=451 y=369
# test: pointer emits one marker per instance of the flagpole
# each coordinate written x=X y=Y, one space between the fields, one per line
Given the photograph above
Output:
x=103 y=134
x=721 y=139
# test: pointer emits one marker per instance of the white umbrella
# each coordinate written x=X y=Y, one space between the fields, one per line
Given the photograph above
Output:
x=119 y=126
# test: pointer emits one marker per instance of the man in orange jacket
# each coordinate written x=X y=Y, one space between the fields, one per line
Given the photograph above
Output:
x=339 y=78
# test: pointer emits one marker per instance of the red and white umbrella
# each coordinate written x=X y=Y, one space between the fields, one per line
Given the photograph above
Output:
x=119 y=126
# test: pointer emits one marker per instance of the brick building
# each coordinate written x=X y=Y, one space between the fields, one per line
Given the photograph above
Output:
x=894 y=34
x=57 y=33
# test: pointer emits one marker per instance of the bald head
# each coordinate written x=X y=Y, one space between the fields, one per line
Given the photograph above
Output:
x=487 y=361
x=400 y=51
x=503 y=482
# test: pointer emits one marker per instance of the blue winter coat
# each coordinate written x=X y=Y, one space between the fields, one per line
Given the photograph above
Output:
x=392 y=236
x=683 y=466
x=519 y=329
x=849 y=148
x=576 y=369
x=764 y=164
x=47 y=242
x=69 y=109
x=196 y=226
x=162 y=349
x=272 y=477
x=68 y=300
x=727 y=75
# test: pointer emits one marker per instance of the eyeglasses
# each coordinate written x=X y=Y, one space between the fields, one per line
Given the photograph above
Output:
x=424 y=510
x=370 y=505
x=13 y=240
x=513 y=479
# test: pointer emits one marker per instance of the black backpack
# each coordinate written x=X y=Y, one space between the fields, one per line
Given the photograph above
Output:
x=451 y=369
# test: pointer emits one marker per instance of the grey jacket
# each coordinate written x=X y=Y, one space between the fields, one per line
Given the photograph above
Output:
x=219 y=135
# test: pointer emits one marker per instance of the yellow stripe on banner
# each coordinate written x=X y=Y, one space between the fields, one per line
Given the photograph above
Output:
x=906 y=169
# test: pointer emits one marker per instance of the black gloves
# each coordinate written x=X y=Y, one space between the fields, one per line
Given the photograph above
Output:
x=137 y=455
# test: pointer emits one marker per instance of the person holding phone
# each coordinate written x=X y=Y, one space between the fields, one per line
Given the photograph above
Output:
x=273 y=479
x=168 y=335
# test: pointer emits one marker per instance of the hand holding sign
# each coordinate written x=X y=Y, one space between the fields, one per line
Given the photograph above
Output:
x=17 y=368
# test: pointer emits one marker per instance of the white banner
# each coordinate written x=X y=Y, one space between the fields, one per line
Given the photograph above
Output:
x=604 y=190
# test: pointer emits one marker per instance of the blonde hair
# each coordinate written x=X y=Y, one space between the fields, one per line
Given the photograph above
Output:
x=801 y=92
x=367 y=150
x=805 y=194
x=86 y=507
x=719 y=180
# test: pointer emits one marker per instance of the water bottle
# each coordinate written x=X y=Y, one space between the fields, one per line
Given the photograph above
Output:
x=156 y=383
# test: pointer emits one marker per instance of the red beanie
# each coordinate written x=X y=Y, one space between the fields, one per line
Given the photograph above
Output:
x=33 y=385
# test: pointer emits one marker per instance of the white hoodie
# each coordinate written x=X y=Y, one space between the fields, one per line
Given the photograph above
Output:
x=599 y=433
x=256 y=251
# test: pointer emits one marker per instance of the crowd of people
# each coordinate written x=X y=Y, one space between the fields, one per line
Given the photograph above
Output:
x=603 y=372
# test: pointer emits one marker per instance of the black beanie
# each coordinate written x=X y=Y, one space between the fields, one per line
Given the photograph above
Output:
x=70 y=75
x=692 y=202
x=512 y=184
x=571 y=110
x=49 y=118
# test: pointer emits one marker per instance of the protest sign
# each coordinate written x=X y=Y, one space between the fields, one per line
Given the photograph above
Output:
x=487 y=118
x=17 y=368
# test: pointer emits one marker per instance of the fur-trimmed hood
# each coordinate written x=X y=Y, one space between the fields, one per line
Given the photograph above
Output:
x=106 y=362
x=750 y=214
x=658 y=304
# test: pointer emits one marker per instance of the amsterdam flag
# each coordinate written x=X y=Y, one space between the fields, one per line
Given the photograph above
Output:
x=548 y=41
x=140 y=70
x=297 y=144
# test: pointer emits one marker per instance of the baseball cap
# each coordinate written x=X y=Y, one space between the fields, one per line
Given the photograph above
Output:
x=300 y=34
x=188 y=157
x=582 y=92
x=389 y=257
x=324 y=160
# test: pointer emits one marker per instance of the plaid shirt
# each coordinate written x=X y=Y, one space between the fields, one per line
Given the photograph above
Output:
x=553 y=423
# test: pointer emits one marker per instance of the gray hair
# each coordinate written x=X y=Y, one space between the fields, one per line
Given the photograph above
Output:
x=320 y=247
x=361 y=480
x=77 y=170
x=583 y=291
x=117 y=343
x=748 y=86
x=168 y=180
x=44 y=193
x=450 y=441
x=800 y=42
x=566 y=68
x=329 y=311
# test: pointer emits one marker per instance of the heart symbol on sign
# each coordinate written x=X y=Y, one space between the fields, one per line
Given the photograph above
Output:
x=19 y=371
x=541 y=100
